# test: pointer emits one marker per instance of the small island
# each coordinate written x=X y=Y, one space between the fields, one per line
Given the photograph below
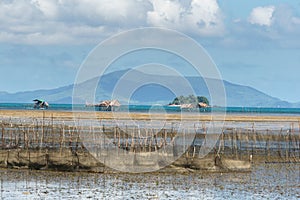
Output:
x=190 y=101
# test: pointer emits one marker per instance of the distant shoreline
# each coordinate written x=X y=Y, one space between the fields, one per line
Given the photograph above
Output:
x=159 y=109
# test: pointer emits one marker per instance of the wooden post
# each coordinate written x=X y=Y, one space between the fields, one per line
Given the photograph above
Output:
x=126 y=145
x=43 y=134
x=60 y=139
x=2 y=135
x=146 y=140
x=115 y=135
x=235 y=144
x=286 y=146
x=10 y=135
x=36 y=129
x=28 y=138
x=166 y=135
x=52 y=132
x=194 y=146
x=279 y=140
x=70 y=138
x=64 y=136
x=267 y=153
x=119 y=137
x=24 y=137
x=150 y=142
x=132 y=140
x=240 y=138
x=155 y=140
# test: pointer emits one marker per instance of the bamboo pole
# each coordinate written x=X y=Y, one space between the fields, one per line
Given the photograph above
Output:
x=132 y=146
x=286 y=146
x=155 y=140
x=235 y=143
x=194 y=146
x=115 y=135
x=267 y=148
x=61 y=130
x=43 y=126
x=2 y=135
x=10 y=134
x=279 y=144
x=150 y=142
x=127 y=138
x=119 y=137
x=52 y=132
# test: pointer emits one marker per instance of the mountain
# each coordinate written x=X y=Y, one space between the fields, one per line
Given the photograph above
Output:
x=160 y=89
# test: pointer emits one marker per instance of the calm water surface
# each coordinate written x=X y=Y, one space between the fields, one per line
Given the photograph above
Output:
x=161 y=109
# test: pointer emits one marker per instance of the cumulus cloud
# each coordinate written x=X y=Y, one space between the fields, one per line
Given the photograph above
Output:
x=274 y=26
x=48 y=8
x=63 y=21
x=81 y=21
x=262 y=15
x=202 y=17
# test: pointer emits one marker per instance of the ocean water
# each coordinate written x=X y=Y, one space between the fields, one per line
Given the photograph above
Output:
x=159 y=108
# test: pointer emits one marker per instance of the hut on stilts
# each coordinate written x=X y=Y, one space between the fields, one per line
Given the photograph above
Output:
x=108 y=105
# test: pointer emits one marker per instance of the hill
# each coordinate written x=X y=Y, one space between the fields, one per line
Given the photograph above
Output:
x=152 y=93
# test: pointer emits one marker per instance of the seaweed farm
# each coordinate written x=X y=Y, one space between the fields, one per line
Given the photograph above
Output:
x=64 y=144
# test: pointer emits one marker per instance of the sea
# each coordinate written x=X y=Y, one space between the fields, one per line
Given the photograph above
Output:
x=160 y=109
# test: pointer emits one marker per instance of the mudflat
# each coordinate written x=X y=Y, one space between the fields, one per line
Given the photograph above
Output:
x=147 y=116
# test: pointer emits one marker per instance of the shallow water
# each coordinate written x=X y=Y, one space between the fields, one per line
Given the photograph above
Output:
x=266 y=181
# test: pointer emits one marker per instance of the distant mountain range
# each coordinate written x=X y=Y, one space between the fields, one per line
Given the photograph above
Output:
x=237 y=95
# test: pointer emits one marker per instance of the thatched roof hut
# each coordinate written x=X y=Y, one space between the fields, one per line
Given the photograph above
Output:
x=40 y=104
x=202 y=105
x=187 y=105
x=108 y=105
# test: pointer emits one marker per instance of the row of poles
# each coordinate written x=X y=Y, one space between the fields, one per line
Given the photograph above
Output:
x=283 y=142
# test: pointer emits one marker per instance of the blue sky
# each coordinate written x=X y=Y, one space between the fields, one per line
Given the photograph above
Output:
x=254 y=43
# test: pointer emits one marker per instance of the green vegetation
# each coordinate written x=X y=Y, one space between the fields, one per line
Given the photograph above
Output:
x=191 y=99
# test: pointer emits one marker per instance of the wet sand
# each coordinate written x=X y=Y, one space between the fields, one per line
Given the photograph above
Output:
x=145 y=116
x=266 y=181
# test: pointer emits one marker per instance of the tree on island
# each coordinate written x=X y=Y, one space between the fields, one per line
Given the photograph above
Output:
x=203 y=99
x=191 y=99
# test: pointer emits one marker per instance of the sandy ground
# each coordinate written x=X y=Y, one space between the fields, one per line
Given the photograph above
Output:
x=146 y=116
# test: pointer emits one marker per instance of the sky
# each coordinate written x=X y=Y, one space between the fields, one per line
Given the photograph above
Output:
x=254 y=43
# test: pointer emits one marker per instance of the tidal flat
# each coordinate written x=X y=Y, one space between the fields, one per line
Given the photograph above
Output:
x=272 y=142
x=265 y=181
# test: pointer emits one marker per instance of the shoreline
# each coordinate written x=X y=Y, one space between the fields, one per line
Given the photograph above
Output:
x=146 y=116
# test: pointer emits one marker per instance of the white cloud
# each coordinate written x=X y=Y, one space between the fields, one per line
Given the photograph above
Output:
x=165 y=13
x=82 y=21
x=107 y=12
x=68 y=21
x=48 y=8
x=262 y=15
x=202 y=17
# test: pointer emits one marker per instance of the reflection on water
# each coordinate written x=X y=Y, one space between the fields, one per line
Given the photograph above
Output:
x=266 y=181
